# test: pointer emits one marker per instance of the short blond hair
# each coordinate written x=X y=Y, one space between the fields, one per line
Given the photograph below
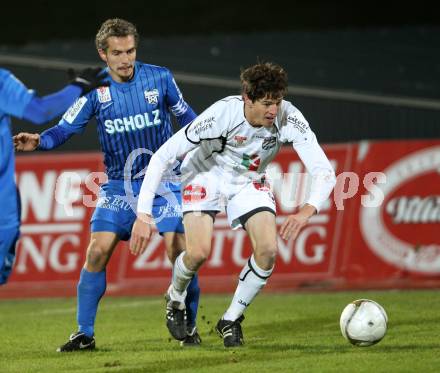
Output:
x=115 y=27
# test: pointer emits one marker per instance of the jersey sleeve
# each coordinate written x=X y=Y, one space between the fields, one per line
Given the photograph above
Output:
x=162 y=161
x=177 y=104
x=296 y=130
x=294 y=127
x=207 y=126
x=76 y=117
x=41 y=110
x=14 y=96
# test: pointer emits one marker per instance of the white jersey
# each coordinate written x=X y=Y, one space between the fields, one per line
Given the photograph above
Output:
x=221 y=139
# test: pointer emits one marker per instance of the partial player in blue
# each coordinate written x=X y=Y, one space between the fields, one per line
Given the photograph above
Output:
x=133 y=121
x=18 y=101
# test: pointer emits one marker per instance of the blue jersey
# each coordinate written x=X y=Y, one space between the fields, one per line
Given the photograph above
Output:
x=14 y=97
x=133 y=118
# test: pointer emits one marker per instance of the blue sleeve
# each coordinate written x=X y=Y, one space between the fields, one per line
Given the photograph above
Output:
x=41 y=110
x=54 y=137
x=179 y=107
x=73 y=121
x=14 y=96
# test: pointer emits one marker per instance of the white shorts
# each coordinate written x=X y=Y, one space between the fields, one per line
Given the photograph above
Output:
x=208 y=191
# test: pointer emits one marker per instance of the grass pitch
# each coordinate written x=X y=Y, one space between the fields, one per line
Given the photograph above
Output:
x=283 y=333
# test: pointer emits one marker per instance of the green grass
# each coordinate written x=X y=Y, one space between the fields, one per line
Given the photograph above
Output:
x=283 y=333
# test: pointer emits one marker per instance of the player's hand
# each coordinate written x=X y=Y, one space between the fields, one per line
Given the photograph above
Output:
x=88 y=79
x=295 y=222
x=26 y=142
x=141 y=233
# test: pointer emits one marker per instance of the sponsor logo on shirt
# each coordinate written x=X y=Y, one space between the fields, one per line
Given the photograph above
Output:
x=203 y=126
x=133 y=123
x=193 y=193
x=152 y=96
x=239 y=140
x=70 y=115
x=104 y=94
x=298 y=124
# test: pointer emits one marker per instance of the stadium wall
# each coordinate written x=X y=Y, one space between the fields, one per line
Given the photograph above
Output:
x=335 y=115
x=379 y=229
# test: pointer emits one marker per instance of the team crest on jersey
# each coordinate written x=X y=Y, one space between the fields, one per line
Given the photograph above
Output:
x=152 y=96
x=104 y=94
x=269 y=142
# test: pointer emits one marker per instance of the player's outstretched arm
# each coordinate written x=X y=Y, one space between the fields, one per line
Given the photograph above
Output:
x=141 y=233
x=26 y=142
x=43 y=109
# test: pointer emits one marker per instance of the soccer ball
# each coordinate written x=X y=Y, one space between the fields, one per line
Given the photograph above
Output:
x=363 y=322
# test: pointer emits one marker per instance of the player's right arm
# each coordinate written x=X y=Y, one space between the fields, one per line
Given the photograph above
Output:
x=208 y=126
x=161 y=161
x=204 y=127
x=73 y=121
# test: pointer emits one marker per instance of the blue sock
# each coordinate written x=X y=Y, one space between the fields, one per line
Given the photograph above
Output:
x=91 y=287
x=192 y=300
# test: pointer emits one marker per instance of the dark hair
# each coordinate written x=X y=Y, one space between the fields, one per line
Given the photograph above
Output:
x=115 y=27
x=264 y=79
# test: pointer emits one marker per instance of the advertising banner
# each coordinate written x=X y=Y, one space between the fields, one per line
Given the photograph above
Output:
x=379 y=228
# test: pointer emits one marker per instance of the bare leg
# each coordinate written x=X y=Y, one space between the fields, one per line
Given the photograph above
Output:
x=261 y=228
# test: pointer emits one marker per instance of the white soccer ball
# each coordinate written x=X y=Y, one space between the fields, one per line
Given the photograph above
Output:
x=363 y=322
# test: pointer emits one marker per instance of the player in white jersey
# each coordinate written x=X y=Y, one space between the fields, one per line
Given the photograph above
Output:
x=225 y=153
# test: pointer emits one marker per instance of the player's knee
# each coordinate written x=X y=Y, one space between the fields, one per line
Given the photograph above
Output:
x=97 y=257
x=266 y=254
x=198 y=256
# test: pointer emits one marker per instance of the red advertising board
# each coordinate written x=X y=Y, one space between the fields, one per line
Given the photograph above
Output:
x=378 y=229
x=395 y=241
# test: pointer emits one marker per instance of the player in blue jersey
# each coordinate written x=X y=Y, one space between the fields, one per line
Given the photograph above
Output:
x=17 y=101
x=133 y=121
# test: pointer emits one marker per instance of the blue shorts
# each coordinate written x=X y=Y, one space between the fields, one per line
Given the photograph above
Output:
x=8 y=240
x=116 y=208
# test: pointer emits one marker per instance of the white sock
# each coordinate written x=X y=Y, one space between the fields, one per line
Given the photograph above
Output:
x=181 y=278
x=252 y=279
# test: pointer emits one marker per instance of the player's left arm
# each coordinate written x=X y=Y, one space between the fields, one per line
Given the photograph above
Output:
x=179 y=107
x=297 y=131
x=42 y=109
x=17 y=100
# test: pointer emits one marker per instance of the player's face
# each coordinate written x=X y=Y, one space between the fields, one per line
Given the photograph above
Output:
x=120 y=57
x=262 y=112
